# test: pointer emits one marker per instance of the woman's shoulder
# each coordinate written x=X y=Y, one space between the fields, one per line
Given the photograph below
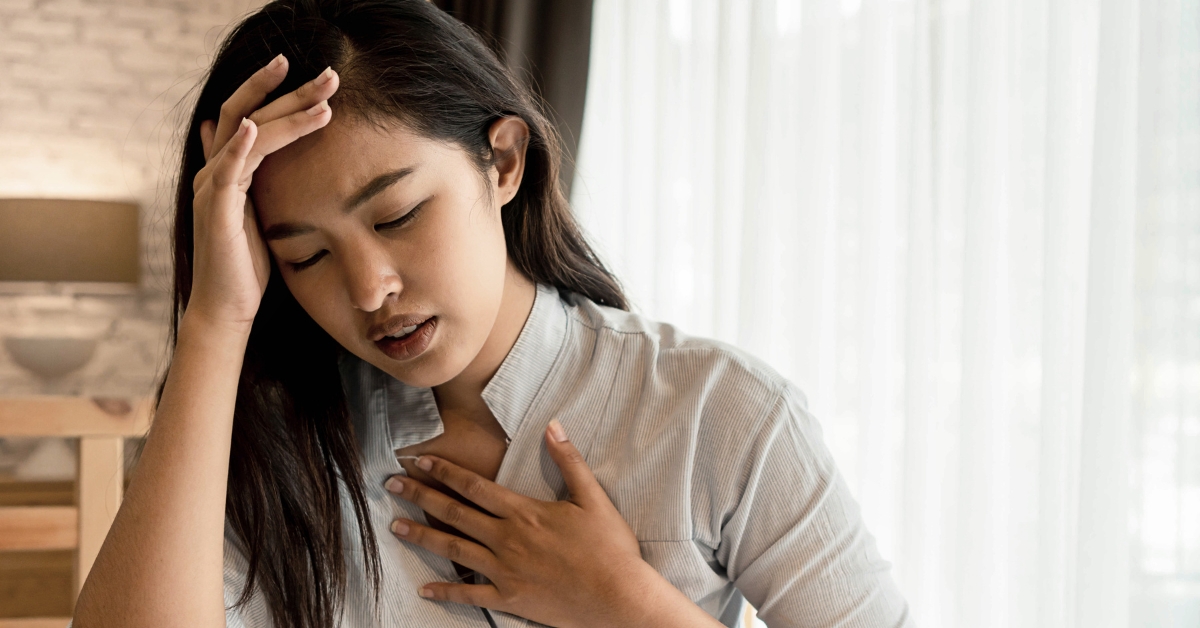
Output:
x=673 y=362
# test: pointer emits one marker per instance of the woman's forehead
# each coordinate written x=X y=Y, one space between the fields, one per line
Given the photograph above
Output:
x=328 y=167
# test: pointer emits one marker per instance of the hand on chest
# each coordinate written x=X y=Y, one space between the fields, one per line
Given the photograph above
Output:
x=476 y=443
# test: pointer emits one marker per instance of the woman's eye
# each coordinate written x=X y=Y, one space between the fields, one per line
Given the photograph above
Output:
x=301 y=265
x=409 y=215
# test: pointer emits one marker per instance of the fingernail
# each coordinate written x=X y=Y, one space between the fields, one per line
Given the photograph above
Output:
x=557 y=432
x=319 y=108
x=244 y=126
x=323 y=77
x=424 y=592
x=399 y=527
x=424 y=463
x=276 y=62
x=394 y=484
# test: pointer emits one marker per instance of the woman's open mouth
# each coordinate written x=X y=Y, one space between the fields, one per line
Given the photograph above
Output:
x=408 y=342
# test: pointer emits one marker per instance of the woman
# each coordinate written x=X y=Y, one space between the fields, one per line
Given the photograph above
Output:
x=384 y=308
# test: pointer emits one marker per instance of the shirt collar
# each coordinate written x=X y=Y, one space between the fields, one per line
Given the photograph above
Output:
x=412 y=412
x=511 y=391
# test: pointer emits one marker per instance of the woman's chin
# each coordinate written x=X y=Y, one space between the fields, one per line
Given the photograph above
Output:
x=425 y=371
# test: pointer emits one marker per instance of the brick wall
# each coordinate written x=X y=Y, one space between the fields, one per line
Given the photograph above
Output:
x=90 y=100
x=92 y=94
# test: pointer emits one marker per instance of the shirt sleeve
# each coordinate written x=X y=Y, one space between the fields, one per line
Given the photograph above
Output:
x=795 y=544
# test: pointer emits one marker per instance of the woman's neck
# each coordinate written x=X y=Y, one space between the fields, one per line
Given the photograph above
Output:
x=462 y=397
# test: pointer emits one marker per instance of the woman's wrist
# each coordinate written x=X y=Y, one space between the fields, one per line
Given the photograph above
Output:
x=216 y=348
x=195 y=323
x=653 y=601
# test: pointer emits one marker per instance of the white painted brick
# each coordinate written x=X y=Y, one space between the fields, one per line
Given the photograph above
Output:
x=163 y=87
x=148 y=16
x=99 y=126
x=211 y=32
x=16 y=7
x=133 y=103
x=183 y=5
x=25 y=120
x=23 y=98
x=107 y=78
x=76 y=58
x=56 y=30
x=170 y=37
x=11 y=48
x=113 y=34
x=76 y=101
x=146 y=61
x=36 y=75
x=74 y=9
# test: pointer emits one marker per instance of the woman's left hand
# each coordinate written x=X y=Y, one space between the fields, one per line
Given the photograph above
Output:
x=566 y=563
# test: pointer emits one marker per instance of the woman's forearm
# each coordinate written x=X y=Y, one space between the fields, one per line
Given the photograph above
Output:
x=660 y=604
x=161 y=564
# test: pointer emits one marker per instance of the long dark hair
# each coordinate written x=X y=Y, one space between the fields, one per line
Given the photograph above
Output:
x=294 y=452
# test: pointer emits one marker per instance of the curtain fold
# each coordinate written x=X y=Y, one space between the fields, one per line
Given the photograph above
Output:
x=970 y=230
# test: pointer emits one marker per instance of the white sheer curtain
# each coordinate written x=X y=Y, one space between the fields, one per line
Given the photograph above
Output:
x=970 y=230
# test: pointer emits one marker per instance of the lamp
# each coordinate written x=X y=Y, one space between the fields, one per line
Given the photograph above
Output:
x=63 y=247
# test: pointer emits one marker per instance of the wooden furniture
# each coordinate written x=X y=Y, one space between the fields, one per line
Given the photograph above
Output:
x=101 y=425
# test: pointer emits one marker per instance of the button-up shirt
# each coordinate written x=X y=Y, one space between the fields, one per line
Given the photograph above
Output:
x=710 y=455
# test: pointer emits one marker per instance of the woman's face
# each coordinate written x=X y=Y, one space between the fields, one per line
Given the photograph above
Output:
x=376 y=231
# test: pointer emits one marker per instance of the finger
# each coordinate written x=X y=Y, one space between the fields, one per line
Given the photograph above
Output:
x=462 y=551
x=581 y=482
x=271 y=137
x=211 y=153
x=450 y=511
x=482 y=595
x=231 y=159
x=307 y=95
x=276 y=134
x=248 y=97
x=475 y=488
x=207 y=129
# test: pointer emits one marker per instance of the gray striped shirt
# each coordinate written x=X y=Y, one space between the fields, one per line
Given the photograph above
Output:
x=709 y=454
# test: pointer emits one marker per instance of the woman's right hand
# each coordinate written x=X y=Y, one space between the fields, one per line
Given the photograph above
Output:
x=231 y=263
x=173 y=512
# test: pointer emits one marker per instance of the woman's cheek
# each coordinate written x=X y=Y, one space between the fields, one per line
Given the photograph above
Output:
x=324 y=310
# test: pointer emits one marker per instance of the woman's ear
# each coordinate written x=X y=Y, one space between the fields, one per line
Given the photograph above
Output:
x=509 y=137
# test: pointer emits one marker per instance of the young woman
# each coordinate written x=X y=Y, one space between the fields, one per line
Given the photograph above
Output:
x=405 y=392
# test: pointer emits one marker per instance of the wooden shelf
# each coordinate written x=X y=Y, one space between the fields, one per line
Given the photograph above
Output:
x=36 y=584
x=73 y=416
x=39 y=575
x=20 y=493
x=34 y=622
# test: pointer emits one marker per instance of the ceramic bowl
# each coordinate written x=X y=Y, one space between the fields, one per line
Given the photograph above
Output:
x=50 y=357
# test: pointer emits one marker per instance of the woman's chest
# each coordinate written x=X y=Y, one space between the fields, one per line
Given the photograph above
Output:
x=476 y=443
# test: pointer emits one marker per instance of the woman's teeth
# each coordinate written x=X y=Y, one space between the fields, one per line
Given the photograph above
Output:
x=404 y=332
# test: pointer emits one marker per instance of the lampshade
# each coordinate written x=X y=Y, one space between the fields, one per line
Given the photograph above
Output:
x=68 y=240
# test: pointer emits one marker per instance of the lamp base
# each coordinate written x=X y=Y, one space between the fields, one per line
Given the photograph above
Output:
x=50 y=357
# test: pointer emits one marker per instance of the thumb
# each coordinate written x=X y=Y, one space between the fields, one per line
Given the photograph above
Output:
x=581 y=482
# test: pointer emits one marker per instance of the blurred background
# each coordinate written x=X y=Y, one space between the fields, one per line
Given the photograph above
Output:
x=968 y=229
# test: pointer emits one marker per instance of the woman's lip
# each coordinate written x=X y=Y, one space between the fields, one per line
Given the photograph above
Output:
x=393 y=326
x=411 y=345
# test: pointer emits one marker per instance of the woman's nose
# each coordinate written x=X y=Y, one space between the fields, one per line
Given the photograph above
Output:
x=371 y=278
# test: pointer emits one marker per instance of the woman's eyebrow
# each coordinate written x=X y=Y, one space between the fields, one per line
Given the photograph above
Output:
x=285 y=230
x=380 y=183
x=375 y=186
